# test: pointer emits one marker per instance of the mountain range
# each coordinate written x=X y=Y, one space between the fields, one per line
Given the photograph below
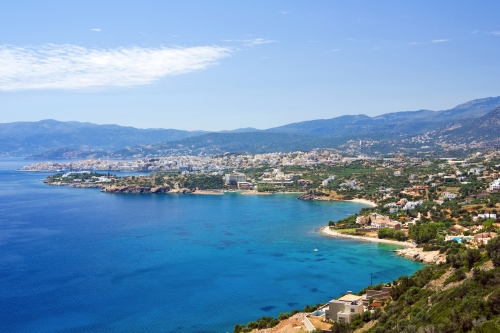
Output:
x=55 y=139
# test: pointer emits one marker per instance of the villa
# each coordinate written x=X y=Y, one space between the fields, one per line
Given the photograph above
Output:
x=343 y=309
x=346 y=307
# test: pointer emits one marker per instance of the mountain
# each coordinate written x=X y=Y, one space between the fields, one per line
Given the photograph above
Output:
x=483 y=129
x=51 y=138
x=241 y=130
x=404 y=122
x=21 y=138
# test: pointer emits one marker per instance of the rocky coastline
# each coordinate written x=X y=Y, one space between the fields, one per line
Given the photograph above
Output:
x=135 y=189
x=314 y=197
x=418 y=254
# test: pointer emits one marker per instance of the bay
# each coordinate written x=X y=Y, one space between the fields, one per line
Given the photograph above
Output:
x=78 y=260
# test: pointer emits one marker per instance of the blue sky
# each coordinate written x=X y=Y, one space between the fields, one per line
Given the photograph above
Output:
x=216 y=65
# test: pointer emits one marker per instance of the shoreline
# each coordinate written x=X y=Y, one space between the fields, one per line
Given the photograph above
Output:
x=363 y=201
x=333 y=234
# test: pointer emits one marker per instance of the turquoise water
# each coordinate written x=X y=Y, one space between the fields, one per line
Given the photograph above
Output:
x=78 y=260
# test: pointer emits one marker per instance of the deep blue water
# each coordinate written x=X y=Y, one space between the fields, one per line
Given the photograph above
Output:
x=78 y=260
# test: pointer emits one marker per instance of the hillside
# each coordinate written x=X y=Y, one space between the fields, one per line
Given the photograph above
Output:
x=217 y=143
x=485 y=128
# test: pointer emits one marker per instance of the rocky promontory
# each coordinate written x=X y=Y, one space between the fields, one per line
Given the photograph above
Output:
x=135 y=189
x=314 y=197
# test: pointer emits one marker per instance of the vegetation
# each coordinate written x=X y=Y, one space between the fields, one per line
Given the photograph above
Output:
x=269 y=322
x=398 y=235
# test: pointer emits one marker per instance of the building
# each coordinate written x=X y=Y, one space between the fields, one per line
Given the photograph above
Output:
x=363 y=220
x=245 y=185
x=495 y=185
x=303 y=182
x=484 y=216
x=448 y=195
x=343 y=309
x=327 y=181
x=235 y=178
x=484 y=238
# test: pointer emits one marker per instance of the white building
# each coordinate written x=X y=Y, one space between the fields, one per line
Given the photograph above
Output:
x=235 y=178
x=343 y=309
x=495 y=185
x=327 y=181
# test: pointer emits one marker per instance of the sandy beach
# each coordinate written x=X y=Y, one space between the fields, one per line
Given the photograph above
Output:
x=208 y=192
x=255 y=193
x=330 y=233
x=364 y=201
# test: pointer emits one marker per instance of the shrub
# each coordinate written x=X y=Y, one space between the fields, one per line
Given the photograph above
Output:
x=493 y=249
x=458 y=275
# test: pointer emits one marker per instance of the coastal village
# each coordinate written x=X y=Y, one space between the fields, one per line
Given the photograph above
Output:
x=441 y=211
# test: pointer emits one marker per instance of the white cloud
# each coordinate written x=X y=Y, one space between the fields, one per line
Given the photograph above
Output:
x=250 y=42
x=67 y=66
x=258 y=41
x=495 y=33
x=96 y=30
x=334 y=50
x=440 y=40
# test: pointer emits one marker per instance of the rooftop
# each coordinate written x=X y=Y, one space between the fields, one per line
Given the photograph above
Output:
x=350 y=298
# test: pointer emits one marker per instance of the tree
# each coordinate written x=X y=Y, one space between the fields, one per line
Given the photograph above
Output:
x=385 y=233
x=400 y=235
x=423 y=233
x=493 y=249
x=340 y=328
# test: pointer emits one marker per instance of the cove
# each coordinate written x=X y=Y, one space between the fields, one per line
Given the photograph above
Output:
x=78 y=260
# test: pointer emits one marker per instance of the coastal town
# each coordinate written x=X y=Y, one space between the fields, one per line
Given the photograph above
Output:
x=439 y=211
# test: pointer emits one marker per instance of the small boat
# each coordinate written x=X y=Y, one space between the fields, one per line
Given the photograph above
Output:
x=315 y=250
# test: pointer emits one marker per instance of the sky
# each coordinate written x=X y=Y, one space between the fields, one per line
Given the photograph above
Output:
x=220 y=65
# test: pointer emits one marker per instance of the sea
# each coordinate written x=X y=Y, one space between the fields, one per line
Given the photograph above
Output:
x=78 y=260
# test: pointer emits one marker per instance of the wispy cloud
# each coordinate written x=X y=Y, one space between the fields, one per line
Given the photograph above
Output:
x=334 y=50
x=96 y=30
x=283 y=12
x=74 y=67
x=440 y=40
x=250 y=42
x=258 y=41
x=495 y=33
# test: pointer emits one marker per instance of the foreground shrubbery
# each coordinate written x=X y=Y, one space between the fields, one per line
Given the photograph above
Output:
x=269 y=322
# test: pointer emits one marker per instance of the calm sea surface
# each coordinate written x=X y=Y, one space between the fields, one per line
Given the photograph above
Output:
x=78 y=260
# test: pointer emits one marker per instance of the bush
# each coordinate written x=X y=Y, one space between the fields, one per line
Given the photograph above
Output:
x=494 y=302
x=493 y=249
x=458 y=275
x=431 y=247
x=385 y=233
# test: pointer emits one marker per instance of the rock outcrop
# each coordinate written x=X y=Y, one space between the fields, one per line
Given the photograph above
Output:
x=418 y=254
x=136 y=189
x=313 y=197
